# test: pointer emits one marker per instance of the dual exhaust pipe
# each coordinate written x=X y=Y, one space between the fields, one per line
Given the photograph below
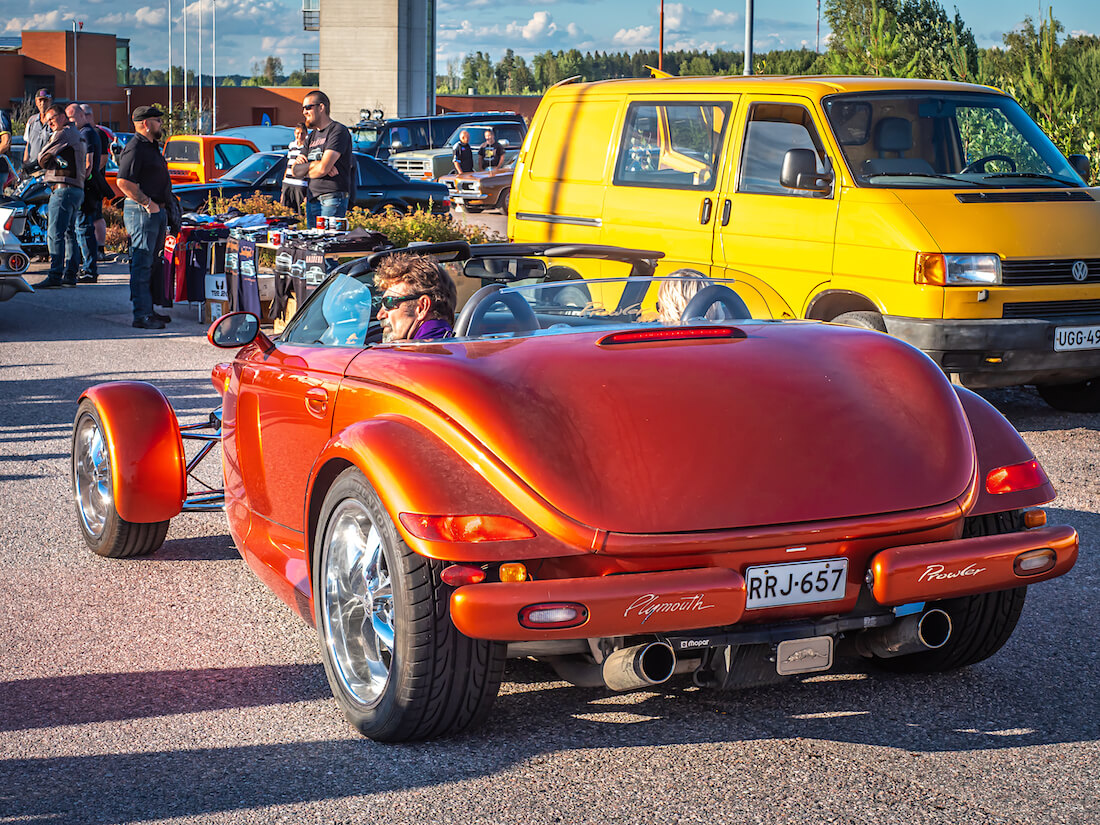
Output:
x=653 y=663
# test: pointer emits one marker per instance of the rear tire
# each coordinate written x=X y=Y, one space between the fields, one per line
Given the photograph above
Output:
x=104 y=530
x=398 y=667
x=503 y=199
x=981 y=624
x=863 y=320
x=1082 y=397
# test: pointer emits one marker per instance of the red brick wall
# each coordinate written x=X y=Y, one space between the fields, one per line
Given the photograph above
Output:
x=521 y=104
x=235 y=103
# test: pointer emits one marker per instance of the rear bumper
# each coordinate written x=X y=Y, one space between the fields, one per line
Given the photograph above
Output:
x=999 y=352
x=714 y=597
x=12 y=285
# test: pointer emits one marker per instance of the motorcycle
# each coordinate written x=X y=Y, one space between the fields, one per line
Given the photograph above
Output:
x=32 y=199
x=13 y=260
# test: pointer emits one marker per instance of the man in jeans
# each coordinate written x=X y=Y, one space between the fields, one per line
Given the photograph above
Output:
x=63 y=159
x=143 y=179
x=82 y=232
x=326 y=162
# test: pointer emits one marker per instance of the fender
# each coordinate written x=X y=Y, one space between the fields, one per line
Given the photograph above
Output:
x=821 y=305
x=997 y=444
x=414 y=471
x=148 y=466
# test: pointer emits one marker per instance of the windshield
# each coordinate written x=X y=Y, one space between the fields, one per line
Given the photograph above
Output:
x=252 y=168
x=944 y=140
x=344 y=310
x=364 y=138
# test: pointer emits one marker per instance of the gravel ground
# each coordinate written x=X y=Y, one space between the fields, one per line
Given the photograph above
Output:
x=177 y=689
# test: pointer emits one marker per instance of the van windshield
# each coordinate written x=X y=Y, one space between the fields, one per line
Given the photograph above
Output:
x=924 y=140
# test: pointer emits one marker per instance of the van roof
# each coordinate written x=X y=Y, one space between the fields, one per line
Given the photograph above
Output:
x=810 y=85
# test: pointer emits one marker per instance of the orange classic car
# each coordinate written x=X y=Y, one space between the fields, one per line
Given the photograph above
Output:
x=488 y=189
x=202 y=158
x=634 y=489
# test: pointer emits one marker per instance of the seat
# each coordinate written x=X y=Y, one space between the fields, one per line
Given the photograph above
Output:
x=894 y=134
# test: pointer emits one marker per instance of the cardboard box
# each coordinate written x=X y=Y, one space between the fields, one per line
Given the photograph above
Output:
x=212 y=310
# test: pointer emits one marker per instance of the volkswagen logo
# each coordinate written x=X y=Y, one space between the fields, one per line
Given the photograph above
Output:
x=1080 y=270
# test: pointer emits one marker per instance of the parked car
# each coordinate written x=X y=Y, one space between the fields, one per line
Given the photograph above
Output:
x=377 y=187
x=432 y=164
x=406 y=134
x=481 y=190
x=586 y=475
x=266 y=138
x=202 y=158
x=934 y=211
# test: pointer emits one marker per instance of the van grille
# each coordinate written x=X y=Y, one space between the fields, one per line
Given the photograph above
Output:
x=411 y=167
x=1051 y=309
x=1046 y=272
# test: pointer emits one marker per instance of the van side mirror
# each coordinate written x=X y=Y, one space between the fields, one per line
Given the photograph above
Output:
x=1081 y=166
x=800 y=172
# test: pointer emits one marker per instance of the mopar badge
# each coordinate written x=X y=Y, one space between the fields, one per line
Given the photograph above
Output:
x=1080 y=270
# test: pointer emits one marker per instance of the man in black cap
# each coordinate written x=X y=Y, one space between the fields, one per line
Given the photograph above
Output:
x=143 y=179
x=37 y=133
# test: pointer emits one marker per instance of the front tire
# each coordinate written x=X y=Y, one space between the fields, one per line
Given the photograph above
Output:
x=981 y=624
x=1082 y=397
x=104 y=530
x=397 y=666
x=863 y=320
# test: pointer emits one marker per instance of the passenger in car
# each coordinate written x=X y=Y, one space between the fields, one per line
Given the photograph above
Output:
x=418 y=298
x=675 y=292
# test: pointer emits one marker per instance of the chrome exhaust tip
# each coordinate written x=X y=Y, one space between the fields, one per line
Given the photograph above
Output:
x=631 y=668
x=912 y=634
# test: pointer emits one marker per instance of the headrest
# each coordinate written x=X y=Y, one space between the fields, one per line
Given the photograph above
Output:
x=894 y=134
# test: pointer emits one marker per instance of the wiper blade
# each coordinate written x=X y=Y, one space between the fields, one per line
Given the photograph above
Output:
x=914 y=175
x=1062 y=181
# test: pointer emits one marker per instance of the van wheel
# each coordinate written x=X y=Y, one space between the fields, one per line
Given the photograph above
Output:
x=1083 y=397
x=863 y=320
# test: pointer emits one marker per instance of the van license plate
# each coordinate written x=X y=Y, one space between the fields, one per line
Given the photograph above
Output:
x=1071 y=338
x=800 y=582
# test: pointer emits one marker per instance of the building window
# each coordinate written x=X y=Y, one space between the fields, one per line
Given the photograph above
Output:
x=122 y=61
x=311 y=63
x=311 y=16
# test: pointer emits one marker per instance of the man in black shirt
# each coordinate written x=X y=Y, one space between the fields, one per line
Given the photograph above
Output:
x=143 y=179
x=463 y=153
x=62 y=160
x=490 y=152
x=326 y=162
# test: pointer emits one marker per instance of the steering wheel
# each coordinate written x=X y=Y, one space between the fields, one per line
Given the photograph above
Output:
x=719 y=294
x=488 y=297
x=979 y=164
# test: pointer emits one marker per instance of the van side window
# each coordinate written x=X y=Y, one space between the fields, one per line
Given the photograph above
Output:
x=771 y=130
x=672 y=146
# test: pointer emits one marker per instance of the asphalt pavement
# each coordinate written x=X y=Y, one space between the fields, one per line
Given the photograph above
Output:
x=177 y=688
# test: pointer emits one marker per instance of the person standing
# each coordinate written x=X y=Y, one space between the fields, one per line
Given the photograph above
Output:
x=5 y=132
x=105 y=144
x=463 y=153
x=143 y=179
x=37 y=133
x=82 y=232
x=294 y=189
x=326 y=163
x=63 y=159
x=490 y=153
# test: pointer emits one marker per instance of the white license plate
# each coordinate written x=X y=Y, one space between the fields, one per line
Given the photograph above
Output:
x=800 y=582
x=1071 y=338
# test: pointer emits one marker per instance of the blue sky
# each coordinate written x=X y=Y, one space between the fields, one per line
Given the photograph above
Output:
x=248 y=30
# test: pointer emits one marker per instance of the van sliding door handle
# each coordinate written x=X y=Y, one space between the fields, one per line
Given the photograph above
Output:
x=726 y=207
x=704 y=211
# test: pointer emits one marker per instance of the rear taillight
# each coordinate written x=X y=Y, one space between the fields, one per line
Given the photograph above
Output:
x=465 y=528
x=1015 y=477
x=8 y=223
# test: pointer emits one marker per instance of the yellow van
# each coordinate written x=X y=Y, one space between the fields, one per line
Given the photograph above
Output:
x=938 y=212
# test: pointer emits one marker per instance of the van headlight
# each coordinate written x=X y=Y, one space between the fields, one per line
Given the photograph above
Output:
x=957 y=270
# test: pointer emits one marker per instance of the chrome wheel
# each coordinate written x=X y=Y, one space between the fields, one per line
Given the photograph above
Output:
x=92 y=476
x=357 y=608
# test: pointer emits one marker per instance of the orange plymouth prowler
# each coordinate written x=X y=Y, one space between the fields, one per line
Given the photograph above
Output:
x=631 y=489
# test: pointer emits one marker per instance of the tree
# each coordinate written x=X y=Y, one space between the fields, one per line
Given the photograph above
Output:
x=268 y=72
x=877 y=50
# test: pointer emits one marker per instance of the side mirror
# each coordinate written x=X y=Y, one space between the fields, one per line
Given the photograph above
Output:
x=1081 y=166
x=800 y=172
x=396 y=146
x=504 y=142
x=234 y=330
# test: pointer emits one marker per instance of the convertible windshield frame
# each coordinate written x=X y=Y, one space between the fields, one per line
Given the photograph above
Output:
x=944 y=140
x=256 y=159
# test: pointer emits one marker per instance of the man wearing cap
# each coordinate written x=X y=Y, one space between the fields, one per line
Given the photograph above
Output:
x=37 y=133
x=63 y=160
x=143 y=179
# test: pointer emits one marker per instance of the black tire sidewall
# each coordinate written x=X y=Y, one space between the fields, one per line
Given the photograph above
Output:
x=104 y=544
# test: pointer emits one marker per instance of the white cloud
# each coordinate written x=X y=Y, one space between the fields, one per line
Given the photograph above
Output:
x=540 y=26
x=637 y=36
x=723 y=18
x=56 y=19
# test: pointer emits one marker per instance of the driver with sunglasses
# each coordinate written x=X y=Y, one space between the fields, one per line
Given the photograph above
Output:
x=417 y=299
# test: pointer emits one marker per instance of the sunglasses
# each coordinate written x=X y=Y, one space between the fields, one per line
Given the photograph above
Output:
x=307 y=106
x=394 y=301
